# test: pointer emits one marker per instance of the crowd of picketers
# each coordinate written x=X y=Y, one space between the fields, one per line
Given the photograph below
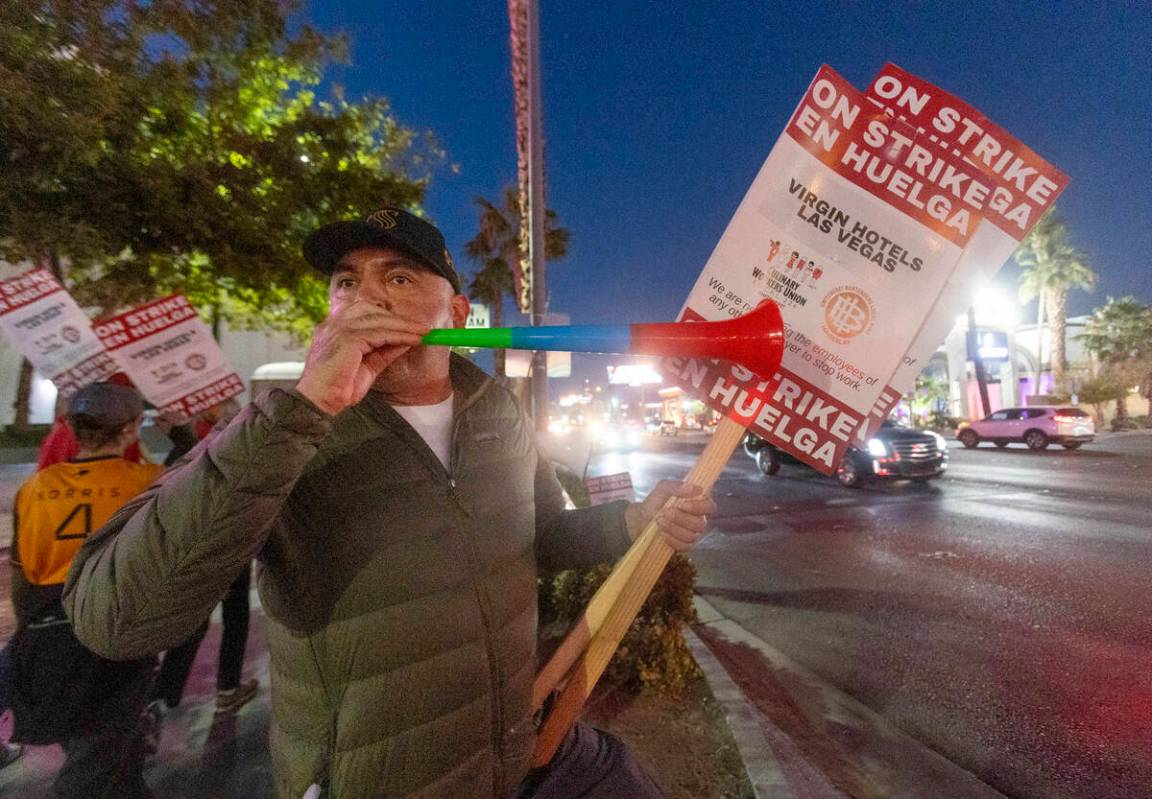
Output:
x=106 y=715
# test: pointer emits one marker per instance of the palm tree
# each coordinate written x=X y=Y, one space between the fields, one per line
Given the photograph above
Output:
x=1052 y=267
x=496 y=248
x=1119 y=336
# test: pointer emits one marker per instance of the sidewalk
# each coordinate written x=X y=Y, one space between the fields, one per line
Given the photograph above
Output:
x=201 y=756
x=801 y=738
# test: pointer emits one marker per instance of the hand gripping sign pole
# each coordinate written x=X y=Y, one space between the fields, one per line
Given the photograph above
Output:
x=585 y=653
x=755 y=341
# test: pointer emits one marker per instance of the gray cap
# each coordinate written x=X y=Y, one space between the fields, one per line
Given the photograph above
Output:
x=107 y=404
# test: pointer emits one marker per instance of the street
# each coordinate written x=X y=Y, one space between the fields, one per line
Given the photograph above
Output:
x=999 y=615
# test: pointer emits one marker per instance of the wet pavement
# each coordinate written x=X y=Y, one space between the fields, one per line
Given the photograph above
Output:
x=1000 y=616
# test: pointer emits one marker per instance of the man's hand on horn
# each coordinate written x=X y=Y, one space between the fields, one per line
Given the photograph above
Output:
x=350 y=349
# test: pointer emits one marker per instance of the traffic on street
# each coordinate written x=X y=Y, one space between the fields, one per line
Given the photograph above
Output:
x=997 y=614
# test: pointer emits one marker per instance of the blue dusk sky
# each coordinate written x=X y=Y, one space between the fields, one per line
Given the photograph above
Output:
x=657 y=116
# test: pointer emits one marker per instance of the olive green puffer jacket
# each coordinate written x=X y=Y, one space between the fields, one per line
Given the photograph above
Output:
x=400 y=597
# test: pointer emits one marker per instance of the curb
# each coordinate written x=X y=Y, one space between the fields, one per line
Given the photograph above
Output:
x=802 y=738
x=760 y=762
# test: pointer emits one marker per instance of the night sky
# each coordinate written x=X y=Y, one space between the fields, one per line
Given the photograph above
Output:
x=657 y=116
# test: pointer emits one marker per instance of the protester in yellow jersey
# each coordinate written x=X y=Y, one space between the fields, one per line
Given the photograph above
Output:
x=59 y=507
x=61 y=692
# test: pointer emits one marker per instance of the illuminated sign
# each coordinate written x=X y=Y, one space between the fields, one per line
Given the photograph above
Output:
x=634 y=374
x=993 y=346
x=478 y=316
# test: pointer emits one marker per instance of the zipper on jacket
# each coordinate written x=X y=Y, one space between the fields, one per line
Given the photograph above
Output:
x=449 y=476
x=485 y=616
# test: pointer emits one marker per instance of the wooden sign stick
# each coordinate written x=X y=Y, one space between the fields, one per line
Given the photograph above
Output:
x=592 y=619
x=603 y=629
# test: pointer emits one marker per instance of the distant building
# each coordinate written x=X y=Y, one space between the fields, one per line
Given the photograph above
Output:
x=1010 y=353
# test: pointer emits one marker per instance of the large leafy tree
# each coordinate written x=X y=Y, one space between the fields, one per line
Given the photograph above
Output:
x=1119 y=335
x=496 y=247
x=1052 y=267
x=152 y=146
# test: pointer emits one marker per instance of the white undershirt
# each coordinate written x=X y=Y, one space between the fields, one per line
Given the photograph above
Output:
x=434 y=424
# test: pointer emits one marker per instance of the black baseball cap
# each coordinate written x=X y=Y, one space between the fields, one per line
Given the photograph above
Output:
x=384 y=227
x=107 y=404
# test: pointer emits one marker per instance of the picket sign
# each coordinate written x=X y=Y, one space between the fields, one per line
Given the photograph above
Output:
x=1024 y=186
x=46 y=326
x=610 y=487
x=169 y=353
x=163 y=345
x=853 y=226
x=732 y=283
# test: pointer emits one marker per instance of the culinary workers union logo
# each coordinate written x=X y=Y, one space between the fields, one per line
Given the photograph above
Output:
x=848 y=312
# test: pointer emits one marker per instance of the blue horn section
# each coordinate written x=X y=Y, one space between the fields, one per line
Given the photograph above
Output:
x=577 y=338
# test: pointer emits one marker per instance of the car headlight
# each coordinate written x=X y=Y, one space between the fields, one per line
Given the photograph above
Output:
x=877 y=448
x=940 y=442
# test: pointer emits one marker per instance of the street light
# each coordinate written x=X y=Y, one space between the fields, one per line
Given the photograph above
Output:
x=994 y=307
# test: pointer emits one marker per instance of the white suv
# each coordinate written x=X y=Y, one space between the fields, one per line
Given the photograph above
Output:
x=1036 y=427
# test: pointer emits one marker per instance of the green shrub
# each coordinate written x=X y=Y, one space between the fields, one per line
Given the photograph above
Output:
x=1127 y=423
x=573 y=485
x=653 y=656
x=11 y=438
x=943 y=423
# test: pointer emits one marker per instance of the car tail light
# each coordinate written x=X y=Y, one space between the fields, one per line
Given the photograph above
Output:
x=1065 y=418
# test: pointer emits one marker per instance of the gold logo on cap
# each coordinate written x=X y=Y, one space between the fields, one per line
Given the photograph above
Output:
x=385 y=218
x=448 y=258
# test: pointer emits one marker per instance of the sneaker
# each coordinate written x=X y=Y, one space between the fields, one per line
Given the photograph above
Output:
x=233 y=700
x=10 y=753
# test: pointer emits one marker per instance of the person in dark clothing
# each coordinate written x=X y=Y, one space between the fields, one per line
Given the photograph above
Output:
x=9 y=752
x=60 y=691
x=231 y=693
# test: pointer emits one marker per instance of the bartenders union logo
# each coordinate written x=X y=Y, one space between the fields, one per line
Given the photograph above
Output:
x=195 y=362
x=848 y=312
x=70 y=334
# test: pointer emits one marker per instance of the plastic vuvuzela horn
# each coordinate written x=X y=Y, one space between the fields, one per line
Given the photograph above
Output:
x=754 y=340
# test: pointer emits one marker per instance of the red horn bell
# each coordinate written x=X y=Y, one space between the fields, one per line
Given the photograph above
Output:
x=754 y=340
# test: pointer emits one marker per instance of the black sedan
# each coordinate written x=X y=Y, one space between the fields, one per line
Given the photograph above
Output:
x=895 y=452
